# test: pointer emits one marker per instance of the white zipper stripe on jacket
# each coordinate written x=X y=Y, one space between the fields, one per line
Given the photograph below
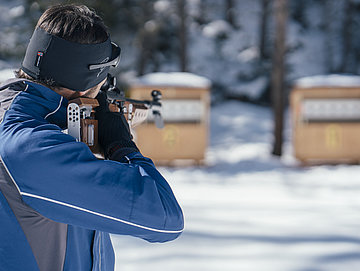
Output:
x=83 y=209
x=53 y=112
x=99 y=214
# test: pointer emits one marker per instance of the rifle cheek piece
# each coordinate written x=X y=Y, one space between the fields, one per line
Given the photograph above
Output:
x=75 y=66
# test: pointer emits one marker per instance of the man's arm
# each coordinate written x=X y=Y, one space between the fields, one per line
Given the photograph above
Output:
x=62 y=180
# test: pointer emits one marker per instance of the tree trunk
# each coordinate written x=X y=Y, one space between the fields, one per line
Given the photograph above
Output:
x=229 y=12
x=346 y=36
x=278 y=73
x=328 y=40
x=263 y=28
x=203 y=11
x=182 y=34
x=144 y=40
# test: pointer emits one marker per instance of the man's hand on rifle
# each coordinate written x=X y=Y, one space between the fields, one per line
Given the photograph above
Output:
x=113 y=131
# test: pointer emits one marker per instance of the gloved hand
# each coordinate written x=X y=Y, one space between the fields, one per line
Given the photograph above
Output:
x=113 y=131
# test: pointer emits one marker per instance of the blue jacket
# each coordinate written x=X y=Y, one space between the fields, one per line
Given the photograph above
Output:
x=58 y=202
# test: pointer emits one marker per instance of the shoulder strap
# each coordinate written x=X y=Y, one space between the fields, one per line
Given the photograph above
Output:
x=12 y=81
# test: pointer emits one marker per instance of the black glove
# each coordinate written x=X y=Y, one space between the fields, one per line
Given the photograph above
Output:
x=113 y=131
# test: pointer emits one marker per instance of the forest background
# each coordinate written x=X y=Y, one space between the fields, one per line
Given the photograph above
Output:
x=231 y=42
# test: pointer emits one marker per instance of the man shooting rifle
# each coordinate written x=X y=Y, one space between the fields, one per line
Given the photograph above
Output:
x=58 y=202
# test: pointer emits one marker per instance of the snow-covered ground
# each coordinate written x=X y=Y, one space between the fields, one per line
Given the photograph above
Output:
x=250 y=211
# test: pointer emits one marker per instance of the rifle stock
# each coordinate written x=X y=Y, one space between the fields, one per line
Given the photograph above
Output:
x=84 y=127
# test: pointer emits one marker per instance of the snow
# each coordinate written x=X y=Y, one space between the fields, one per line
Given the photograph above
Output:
x=17 y=11
x=252 y=89
x=247 y=210
x=217 y=29
x=14 y=31
x=332 y=80
x=162 y=6
x=6 y=74
x=249 y=54
x=179 y=79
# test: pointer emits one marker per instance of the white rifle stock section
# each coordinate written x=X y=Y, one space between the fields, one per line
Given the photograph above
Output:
x=81 y=122
x=73 y=121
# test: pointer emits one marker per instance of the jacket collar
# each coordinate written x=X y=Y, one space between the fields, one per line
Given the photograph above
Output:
x=48 y=104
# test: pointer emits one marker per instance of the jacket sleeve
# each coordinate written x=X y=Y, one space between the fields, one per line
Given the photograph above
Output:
x=62 y=180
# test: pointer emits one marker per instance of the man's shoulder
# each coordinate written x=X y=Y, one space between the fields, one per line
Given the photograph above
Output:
x=8 y=91
x=16 y=84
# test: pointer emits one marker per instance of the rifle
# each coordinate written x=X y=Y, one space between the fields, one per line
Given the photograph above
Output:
x=81 y=113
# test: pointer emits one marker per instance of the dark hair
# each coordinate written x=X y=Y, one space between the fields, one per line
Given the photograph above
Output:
x=73 y=23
